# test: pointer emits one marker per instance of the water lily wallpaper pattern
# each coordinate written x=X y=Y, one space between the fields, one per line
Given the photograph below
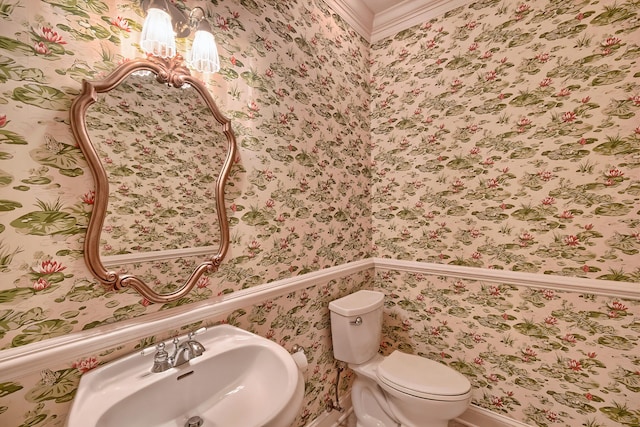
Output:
x=500 y=135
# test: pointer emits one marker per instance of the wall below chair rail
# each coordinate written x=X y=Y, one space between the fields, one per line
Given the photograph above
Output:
x=525 y=341
x=537 y=349
x=38 y=382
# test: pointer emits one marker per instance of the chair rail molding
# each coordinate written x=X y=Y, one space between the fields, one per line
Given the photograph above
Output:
x=20 y=361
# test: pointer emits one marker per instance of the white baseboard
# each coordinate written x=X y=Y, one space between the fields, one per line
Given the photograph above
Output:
x=334 y=418
x=476 y=416
x=473 y=417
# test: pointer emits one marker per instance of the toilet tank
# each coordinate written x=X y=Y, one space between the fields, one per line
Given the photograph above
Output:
x=356 y=326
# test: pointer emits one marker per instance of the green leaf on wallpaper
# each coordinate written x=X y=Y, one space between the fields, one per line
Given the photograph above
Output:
x=613 y=209
x=608 y=78
x=14 y=45
x=621 y=414
x=15 y=294
x=45 y=223
x=616 y=342
x=59 y=155
x=8 y=388
x=71 y=172
x=612 y=14
x=616 y=146
x=37 y=180
x=5 y=178
x=9 y=205
x=521 y=39
x=59 y=386
x=531 y=329
x=8 y=137
x=42 y=96
x=42 y=331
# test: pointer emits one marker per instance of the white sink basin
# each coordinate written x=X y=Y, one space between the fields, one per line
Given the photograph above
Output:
x=241 y=380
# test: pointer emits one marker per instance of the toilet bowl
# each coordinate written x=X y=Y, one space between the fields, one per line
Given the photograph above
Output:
x=397 y=390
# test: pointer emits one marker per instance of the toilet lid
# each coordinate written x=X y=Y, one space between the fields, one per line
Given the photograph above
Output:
x=422 y=377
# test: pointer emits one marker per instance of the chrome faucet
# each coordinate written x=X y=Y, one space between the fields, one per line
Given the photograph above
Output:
x=182 y=353
x=186 y=351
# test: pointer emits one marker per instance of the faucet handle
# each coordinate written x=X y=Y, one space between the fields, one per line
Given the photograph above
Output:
x=197 y=332
x=161 y=361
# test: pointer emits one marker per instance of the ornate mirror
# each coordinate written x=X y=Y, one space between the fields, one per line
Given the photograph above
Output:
x=160 y=153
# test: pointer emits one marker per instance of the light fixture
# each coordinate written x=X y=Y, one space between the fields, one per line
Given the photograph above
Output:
x=204 y=52
x=165 y=22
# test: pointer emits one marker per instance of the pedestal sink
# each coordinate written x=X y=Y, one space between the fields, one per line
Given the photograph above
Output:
x=241 y=380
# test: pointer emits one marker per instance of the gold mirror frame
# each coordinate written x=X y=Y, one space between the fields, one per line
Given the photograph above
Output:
x=173 y=73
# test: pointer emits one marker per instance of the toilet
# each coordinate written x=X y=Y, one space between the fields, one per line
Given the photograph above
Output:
x=399 y=390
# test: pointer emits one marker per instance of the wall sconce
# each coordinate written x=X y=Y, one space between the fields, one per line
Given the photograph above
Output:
x=165 y=22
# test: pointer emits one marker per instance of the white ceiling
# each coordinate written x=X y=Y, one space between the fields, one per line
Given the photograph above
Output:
x=377 y=19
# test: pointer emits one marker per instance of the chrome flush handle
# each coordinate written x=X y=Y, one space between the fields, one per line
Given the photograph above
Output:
x=357 y=322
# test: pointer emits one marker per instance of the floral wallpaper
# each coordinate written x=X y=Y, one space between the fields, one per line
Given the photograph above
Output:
x=506 y=136
x=293 y=82
x=541 y=357
x=499 y=135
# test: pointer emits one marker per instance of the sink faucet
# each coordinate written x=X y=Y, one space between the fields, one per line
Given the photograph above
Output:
x=182 y=353
x=186 y=351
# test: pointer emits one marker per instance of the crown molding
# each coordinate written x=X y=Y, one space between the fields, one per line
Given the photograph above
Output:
x=404 y=15
x=409 y=13
x=356 y=14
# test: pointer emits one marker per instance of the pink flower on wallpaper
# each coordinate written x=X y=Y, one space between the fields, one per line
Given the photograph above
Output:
x=51 y=36
x=490 y=76
x=89 y=198
x=222 y=23
x=618 y=306
x=496 y=401
x=575 y=365
x=545 y=175
x=203 y=282
x=3 y=120
x=548 y=294
x=542 y=57
x=545 y=82
x=49 y=267
x=85 y=365
x=566 y=215
x=41 y=48
x=524 y=121
x=41 y=284
x=564 y=92
x=121 y=23
x=548 y=201
x=571 y=240
x=611 y=41
x=614 y=173
x=569 y=117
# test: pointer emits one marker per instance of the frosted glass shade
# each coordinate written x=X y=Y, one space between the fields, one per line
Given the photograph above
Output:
x=158 y=37
x=204 y=53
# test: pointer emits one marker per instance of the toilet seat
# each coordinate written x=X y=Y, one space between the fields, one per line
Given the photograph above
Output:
x=423 y=378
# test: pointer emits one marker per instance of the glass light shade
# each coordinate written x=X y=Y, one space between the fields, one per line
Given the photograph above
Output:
x=158 y=37
x=204 y=53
